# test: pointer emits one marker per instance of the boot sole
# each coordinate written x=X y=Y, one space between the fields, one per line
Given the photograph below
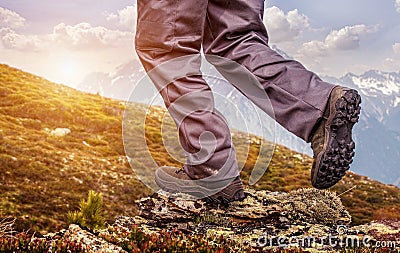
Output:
x=332 y=163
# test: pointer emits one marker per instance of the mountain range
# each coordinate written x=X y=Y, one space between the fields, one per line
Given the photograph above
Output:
x=377 y=135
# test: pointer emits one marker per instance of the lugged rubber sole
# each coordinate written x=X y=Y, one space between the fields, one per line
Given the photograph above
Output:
x=332 y=163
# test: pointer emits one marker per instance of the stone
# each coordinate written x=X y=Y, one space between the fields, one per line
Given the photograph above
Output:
x=60 y=132
x=90 y=242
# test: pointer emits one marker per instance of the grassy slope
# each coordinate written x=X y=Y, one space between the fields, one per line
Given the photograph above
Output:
x=42 y=176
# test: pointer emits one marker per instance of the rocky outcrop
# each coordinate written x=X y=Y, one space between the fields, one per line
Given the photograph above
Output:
x=89 y=241
x=304 y=205
x=313 y=220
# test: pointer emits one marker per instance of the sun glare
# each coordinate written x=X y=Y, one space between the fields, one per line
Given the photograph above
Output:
x=68 y=72
x=68 y=68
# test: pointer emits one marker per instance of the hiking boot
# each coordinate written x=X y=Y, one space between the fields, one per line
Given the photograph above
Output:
x=332 y=141
x=173 y=180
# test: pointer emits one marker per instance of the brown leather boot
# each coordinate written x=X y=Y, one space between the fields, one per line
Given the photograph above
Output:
x=172 y=179
x=332 y=141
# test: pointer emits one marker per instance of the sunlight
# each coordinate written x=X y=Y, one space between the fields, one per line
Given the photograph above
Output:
x=68 y=71
x=68 y=68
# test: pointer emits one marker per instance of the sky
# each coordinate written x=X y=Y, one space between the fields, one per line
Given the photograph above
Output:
x=64 y=41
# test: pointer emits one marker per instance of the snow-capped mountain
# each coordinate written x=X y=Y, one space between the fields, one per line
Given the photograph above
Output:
x=377 y=135
x=381 y=91
x=380 y=95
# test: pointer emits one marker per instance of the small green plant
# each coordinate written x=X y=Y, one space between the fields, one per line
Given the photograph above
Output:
x=91 y=212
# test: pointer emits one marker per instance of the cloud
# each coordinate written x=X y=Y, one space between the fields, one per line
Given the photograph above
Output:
x=284 y=27
x=347 y=38
x=314 y=48
x=82 y=36
x=77 y=37
x=10 y=19
x=9 y=39
x=397 y=5
x=396 y=48
x=125 y=18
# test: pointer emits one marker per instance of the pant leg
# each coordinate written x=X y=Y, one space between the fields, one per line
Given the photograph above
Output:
x=168 y=30
x=235 y=30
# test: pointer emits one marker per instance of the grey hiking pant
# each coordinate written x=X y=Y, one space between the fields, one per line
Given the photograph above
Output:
x=233 y=29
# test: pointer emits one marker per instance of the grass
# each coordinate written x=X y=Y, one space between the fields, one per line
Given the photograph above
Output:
x=42 y=177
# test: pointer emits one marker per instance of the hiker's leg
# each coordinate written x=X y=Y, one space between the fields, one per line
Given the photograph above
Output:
x=167 y=30
x=235 y=30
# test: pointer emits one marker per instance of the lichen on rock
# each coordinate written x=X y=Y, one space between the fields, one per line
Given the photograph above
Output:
x=304 y=205
x=304 y=220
